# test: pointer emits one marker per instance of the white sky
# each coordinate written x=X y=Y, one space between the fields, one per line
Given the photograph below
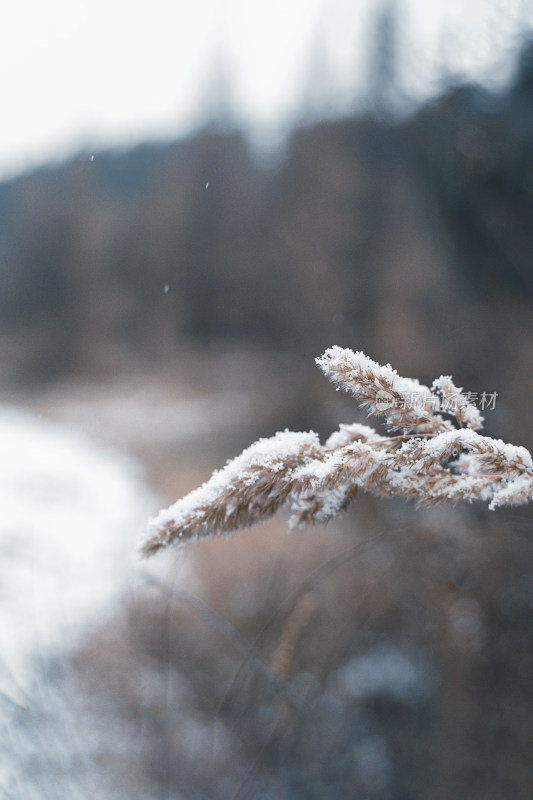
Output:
x=93 y=73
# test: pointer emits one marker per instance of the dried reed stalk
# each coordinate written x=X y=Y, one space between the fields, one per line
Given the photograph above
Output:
x=299 y=618
x=433 y=454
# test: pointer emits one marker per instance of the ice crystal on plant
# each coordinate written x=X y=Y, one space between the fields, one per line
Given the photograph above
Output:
x=433 y=454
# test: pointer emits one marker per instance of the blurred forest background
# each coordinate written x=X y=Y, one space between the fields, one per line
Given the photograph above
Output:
x=171 y=299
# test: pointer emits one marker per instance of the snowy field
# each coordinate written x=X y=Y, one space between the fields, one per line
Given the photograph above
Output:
x=72 y=516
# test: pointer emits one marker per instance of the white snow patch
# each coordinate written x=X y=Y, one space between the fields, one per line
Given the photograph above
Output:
x=350 y=432
x=71 y=516
x=516 y=492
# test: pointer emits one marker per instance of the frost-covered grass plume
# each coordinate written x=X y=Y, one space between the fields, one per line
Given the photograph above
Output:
x=432 y=453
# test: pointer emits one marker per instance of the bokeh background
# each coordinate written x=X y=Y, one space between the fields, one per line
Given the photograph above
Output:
x=195 y=203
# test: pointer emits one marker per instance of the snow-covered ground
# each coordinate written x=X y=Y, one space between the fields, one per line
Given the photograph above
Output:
x=72 y=513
